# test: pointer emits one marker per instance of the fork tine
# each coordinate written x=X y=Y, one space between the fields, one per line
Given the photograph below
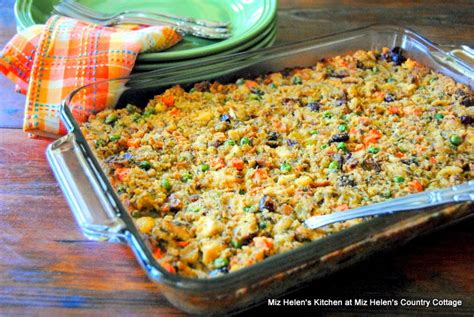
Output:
x=83 y=10
x=89 y=12
x=200 y=31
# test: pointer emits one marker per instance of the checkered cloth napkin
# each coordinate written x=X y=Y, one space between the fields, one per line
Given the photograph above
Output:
x=47 y=62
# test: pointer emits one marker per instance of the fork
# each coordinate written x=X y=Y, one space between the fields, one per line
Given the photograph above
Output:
x=459 y=193
x=197 y=27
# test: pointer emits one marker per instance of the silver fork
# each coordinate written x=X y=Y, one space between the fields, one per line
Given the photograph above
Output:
x=73 y=9
x=458 y=193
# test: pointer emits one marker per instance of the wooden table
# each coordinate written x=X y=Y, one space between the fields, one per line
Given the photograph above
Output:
x=48 y=268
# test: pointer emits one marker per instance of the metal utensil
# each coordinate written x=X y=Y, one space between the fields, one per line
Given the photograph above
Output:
x=199 y=28
x=458 y=193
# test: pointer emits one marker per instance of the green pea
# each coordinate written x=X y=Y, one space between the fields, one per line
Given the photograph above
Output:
x=324 y=146
x=229 y=142
x=341 y=146
x=390 y=80
x=166 y=184
x=99 y=143
x=255 y=97
x=114 y=137
x=192 y=90
x=327 y=115
x=342 y=128
x=245 y=140
x=111 y=118
x=297 y=80
x=240 y=81
x=144 y=165
x=372 y=149
x=136 y=117
x=242 y=191
x=334 y=165
x=148 y=112
x=398 y=179
x=272 y=85
x=186 y=177
x=235 y=244
x=285 y=167
x=313 y=132
x=250 y=208
x=455 y=139
x=262 y=225
x=439 y=116
x=221 y=262
x=204 y=167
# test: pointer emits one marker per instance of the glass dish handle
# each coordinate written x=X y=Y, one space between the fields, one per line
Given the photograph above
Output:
x=454 y=194
x=463 y=52
x=86 y=196
x=459 y=57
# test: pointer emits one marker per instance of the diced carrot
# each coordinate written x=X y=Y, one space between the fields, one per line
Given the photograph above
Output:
x=218 y=163
x=376 y=133
x=237 y=163
x=304 y=74
x=168 y=100
x=175 y=112
x=353 y=130
x=168 y=267
x=400 y=154
x=287 y=209
x=379 y=95
x=433 y=160
x=260 y=173
x=364 y=121
x=182 y=243
x=259 y=254
x=280 y=126
x=372 y=137
x=412 y=111
x=133 y=142
x=344 y=63
x=121 y=172
x=250 y=83
x=342 y=207
x=420 y=148
x=158 y=254
x=395 y=110
x=263 y=242
x=415 y=186
x=183 y=164
x=321 y=183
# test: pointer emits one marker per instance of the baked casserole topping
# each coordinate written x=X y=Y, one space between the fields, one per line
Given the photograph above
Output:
x=223 y=176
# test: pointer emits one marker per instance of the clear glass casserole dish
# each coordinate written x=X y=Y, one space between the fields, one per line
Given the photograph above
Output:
x=101 y=215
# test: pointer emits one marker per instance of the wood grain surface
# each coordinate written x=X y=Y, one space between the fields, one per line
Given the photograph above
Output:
x=47 y=267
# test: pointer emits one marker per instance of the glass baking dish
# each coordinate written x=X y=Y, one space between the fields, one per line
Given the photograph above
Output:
x=101 y=215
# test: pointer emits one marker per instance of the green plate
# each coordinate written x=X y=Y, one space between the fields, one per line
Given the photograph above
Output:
x=248 y=18
x=262 y=42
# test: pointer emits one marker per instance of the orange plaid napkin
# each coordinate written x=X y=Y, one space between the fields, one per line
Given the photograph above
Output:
x=49 y=61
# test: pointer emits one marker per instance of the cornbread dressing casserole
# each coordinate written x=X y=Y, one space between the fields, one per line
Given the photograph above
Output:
x=223 y=176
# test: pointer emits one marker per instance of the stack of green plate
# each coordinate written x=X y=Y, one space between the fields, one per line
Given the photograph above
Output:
x=253 y=25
